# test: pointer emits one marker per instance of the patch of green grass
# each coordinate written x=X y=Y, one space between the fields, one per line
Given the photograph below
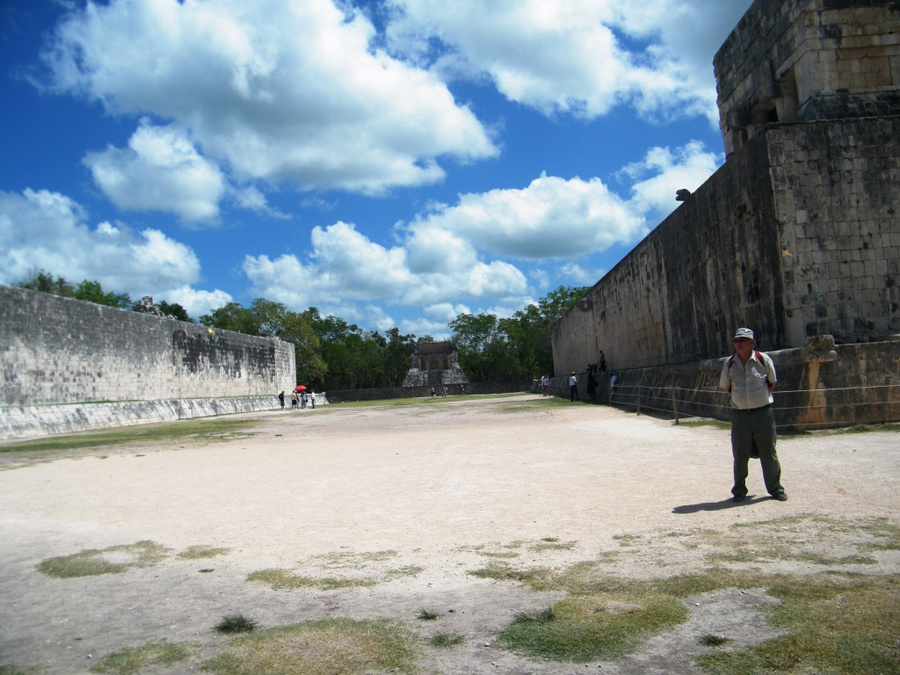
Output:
x=236 y=623
x=344 y=560
x=281 y=579
x=866 y=428
x=426 y=615
x=627 y=539
x=552 y=544
x=800 y=538
x=718 y=424
x=446 y=640
x=208 y=430
x=111 y=560
x=135 y=659
x=327 y=647
x=401 y=572
x=200 y=552
x=835 y=624
x=502 y=572
x=10 y=669
x=593 y=626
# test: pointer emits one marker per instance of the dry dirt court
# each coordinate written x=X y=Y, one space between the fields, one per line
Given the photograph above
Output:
x=412 y=499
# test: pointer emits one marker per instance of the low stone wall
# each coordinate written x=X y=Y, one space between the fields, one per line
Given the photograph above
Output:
x=386 y=393
x=818 y=386
x=29 y=422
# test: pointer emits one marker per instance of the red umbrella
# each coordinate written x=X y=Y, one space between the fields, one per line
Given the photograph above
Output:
x=299 y=387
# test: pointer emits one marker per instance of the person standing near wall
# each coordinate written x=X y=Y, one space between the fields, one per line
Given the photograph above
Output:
x=573 y=387
x=281 y=399
x=749 y=377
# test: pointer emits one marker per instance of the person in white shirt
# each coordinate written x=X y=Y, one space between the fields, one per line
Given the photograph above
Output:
x=749 y=377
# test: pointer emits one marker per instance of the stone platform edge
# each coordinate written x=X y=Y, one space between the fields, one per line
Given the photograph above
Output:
x=30 y=422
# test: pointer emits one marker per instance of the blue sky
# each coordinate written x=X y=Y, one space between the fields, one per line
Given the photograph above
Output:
x=393 y=163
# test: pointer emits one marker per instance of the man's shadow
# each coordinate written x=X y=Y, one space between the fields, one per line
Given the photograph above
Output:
x=718 y=506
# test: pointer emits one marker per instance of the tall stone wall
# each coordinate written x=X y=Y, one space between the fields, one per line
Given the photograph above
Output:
x=56 y=351
x=796 y=235
x=837 y=200
x=711 y=265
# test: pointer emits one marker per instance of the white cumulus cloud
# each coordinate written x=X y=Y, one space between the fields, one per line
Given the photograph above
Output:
x=579 y=57
x=551 y=217
x=274 y=90
x=160 y=170
x=43 y=230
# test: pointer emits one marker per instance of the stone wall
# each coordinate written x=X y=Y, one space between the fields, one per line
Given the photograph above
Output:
x=797 y=235
x=58 y=351
x=820 y=385
x=387 y=393
x=807 y=60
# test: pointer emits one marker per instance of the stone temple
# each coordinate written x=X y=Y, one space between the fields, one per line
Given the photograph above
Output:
x=435 y=364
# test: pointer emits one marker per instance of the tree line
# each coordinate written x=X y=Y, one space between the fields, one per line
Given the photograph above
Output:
x=332 y=354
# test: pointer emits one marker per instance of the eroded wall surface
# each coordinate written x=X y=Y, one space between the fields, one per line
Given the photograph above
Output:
x=56 y=350
x=796 y=235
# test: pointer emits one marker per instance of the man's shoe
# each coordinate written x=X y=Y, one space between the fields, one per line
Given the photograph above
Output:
x=737 y=499
x=780 y=496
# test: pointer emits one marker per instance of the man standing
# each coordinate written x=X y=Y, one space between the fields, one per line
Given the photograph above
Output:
x=749 y=377
x=573 y=387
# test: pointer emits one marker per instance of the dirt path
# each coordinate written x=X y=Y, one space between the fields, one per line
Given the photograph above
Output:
x=414 y=497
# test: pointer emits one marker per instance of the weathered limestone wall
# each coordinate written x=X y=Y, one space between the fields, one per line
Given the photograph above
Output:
x=712 y=265
x=806 y=60
x=797 y=235
x=837 y=203
x=56 y=351
x=817 y=387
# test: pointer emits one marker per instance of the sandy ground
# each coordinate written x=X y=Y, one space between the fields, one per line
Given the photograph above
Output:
x=416 y=497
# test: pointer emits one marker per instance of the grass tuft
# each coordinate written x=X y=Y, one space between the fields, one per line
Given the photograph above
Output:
x=236 y=623
x=425 y=615
x=446 y=640
x=714 y=640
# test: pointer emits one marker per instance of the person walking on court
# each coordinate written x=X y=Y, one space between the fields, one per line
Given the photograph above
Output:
x=749 y=377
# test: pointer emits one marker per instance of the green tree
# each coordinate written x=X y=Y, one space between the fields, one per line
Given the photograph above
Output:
x=44 y=282
x=353 y=355
x=478 y=339
x=174 y=310
x=268 y=318
x=397 y=352
x=92 y=291
x=231 y=317
x=518 y=347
